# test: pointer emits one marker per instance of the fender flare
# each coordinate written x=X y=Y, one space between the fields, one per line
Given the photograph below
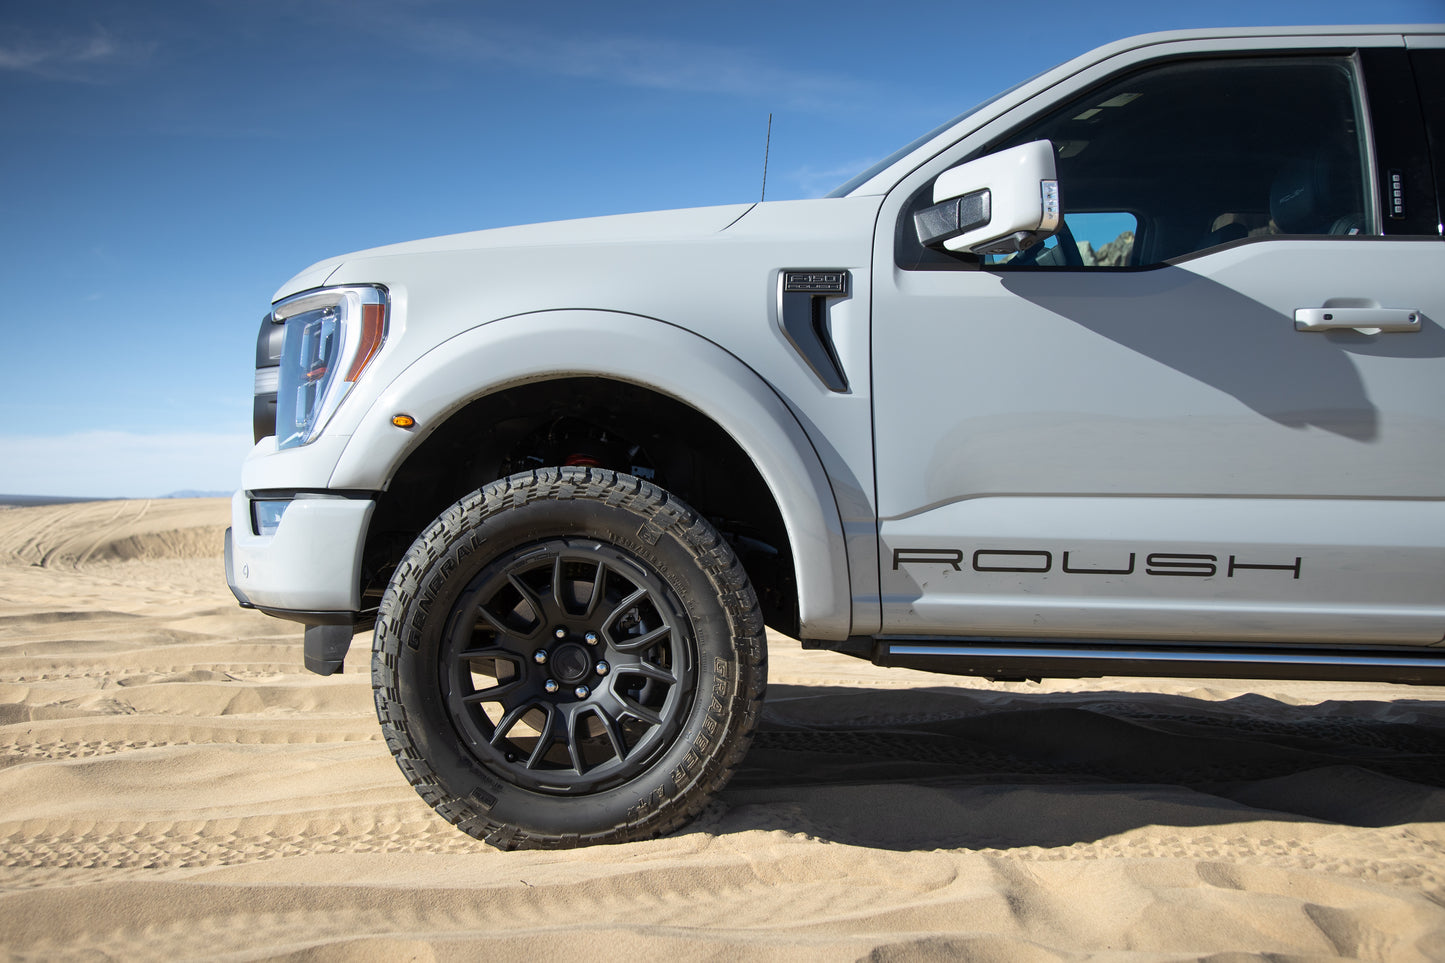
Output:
x=644 y=351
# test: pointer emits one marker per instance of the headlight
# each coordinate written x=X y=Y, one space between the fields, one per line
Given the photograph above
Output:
x=331 y=336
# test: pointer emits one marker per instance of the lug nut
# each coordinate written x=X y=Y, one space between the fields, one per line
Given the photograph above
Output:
x=551 y=685
x=602 y=668
x=582 y=691
x=540 y=657
x=590 y=638
x=560 y=633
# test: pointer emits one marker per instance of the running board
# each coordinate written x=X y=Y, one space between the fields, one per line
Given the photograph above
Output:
x=1004 y=660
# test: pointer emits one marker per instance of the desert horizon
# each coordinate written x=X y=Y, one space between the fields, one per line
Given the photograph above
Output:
x=176 y=785
x=41 y=501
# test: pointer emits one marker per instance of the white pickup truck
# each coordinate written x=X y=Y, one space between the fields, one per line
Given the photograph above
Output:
x=1136 y=369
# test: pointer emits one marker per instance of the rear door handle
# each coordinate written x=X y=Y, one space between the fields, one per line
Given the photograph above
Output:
x=1364 y=320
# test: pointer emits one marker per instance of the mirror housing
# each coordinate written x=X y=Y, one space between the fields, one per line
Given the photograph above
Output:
x=998 y=204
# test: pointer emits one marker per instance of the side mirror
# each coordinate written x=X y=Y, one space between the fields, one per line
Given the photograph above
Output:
x=999 y=204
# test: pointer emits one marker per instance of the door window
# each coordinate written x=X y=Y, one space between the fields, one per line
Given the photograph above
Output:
x=1188 y=156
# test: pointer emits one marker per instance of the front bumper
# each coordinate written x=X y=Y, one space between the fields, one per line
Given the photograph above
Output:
x=309 y=569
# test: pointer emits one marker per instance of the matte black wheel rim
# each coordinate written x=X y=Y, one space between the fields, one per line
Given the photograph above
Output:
x=567 y=667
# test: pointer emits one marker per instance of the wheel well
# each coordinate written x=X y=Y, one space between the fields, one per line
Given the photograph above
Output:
x=599 y=423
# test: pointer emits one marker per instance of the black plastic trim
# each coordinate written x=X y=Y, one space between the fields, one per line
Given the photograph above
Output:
x=1020 y=659
x=268 y=355
x=281 y=494
x=326 y=646
x=957 y=215
x=1401 y=148
x=803 y=315
x=263 y=416
x=231 y=575
x=1428 y=67
x=1204 y=252
x=313 y=618
x=1181 y=259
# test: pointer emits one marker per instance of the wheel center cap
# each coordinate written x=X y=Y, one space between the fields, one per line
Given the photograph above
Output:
x=571 y=663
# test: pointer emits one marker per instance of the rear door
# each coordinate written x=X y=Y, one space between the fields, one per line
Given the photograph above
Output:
x=1130 y=432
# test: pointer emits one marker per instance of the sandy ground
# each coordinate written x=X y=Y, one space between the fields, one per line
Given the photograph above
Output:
x=174 y=785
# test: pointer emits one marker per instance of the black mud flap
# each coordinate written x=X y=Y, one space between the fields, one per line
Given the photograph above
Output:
x=326 y=647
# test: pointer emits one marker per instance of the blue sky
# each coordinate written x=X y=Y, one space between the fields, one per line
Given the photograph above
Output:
x=167 y=165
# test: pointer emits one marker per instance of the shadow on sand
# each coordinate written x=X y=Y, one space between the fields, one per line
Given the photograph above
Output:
x=953 y=767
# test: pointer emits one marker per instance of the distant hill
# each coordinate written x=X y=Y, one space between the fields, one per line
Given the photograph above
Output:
x=22 y=501
x=191 y=493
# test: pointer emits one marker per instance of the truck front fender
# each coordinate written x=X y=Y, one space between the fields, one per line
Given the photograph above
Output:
x=643 y=351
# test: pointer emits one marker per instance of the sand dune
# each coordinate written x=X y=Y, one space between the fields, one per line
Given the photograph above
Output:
x=174 y=785
x=142 y=529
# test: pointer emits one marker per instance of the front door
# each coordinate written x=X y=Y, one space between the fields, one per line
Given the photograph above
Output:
x=1125 y=433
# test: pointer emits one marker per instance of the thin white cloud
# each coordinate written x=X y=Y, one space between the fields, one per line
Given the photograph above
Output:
x=69 y=57
x=118 y=464
x=631 y=60
x=815 y=182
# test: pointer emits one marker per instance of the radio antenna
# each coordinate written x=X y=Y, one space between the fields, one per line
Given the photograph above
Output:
x=767 y=146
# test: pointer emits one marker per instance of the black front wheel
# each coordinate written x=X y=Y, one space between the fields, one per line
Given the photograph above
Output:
x=568 y=656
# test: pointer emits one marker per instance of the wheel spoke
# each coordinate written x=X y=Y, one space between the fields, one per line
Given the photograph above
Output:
x=502 y=687
x=574 y=746
x=614 y=732
x=649 y=671
x=544 y=739
x=506 y=633
x=492 y=693
x=533 y=599
x=597 y=583
x=624 y=605
x=486 y=652
x=634 y=643
x=641 y=712
x=557 y=599
x=509 y=722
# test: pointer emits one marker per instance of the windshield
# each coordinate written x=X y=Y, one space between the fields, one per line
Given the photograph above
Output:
x=849 y=186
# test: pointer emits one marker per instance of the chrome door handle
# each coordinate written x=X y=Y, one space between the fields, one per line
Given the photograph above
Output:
x=1364 y=320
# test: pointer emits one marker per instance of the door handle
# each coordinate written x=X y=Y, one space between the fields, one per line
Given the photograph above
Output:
x=1364 y=320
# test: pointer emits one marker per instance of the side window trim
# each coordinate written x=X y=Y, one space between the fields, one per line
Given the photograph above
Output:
x=1374 y=211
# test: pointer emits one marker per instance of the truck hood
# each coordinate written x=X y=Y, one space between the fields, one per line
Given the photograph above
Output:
x=651 y=226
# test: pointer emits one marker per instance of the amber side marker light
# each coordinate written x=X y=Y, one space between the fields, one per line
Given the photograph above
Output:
x=403 y=421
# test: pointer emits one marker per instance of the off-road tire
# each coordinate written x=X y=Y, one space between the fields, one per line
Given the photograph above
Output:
x=674 y=694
